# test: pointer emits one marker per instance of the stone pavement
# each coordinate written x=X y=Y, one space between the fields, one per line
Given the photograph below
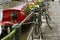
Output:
x=54 y=34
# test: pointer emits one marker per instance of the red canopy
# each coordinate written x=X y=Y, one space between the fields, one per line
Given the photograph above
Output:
x=7 y=12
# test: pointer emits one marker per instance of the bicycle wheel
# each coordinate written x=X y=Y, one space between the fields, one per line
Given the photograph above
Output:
x=48 y=20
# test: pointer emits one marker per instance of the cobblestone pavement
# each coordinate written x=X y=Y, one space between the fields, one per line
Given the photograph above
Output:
x=54 y=34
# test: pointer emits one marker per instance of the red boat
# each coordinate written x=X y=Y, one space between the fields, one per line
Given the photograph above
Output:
x=11 y=16
x=14 y=14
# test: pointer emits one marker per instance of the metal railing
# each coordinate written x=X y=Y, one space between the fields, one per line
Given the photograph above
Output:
x=9 y=36
x=30 y=35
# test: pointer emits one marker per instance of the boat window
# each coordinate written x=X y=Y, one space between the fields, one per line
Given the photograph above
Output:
x=14 y=16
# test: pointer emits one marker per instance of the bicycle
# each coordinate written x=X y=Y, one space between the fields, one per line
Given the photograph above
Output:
x=43 y=11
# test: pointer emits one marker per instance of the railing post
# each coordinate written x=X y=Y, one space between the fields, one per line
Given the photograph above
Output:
x=18 y=31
